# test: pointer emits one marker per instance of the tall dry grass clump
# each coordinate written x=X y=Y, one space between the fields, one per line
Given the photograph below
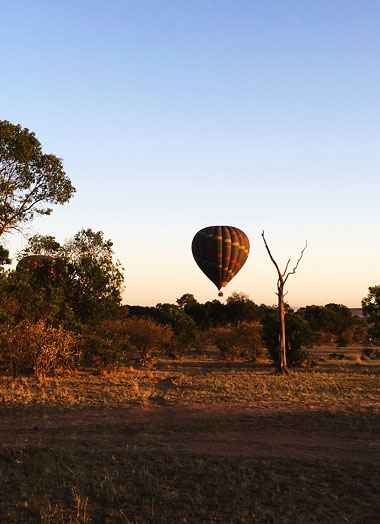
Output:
x=38 y=348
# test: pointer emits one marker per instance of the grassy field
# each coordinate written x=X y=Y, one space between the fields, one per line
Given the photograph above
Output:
x=193 y=442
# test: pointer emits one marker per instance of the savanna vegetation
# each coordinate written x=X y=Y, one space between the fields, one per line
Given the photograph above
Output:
x=174 y=413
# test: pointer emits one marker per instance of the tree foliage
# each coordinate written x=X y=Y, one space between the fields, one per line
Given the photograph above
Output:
x=298 y=335
x=90 y=283
x=4 y=257
x=241 y=309
x=371 y=310
x=187 y=300
x=95 y=280
x=25 y=296
x=30 y=180
x=333 y=323
x=146 y=336
x=242 y=341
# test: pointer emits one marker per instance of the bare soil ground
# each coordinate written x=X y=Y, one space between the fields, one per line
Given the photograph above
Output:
x=256 y=430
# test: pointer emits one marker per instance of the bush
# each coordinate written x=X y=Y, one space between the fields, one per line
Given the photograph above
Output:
x=38 y=348
x=145 y=335
x=105 y=347
x=183 y=327
x=185 y=334
x=252 y=344
x=243 y=341
x=298 y=335
x=224 y=338
x=23 y=298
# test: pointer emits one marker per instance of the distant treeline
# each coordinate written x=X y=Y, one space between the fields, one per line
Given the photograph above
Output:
x=61 y=309
x=332 y=323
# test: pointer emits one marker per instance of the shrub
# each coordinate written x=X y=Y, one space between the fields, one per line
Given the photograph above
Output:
x=22 y=298
x=145 y=335
x=242 y=341
x=183 y=327
x=38 y=348
x=252 y=345
x=105 y=349
x=224 y=339
x=185 y=334
x=298 y=335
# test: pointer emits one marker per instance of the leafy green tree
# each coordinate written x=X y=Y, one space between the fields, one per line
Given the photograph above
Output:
x=334 y=322
x=4 y=256
x=95 y=279
x=319 y=319
x=92 y=281
x=187 y=300
x=200 y=315
x=371 y=310
x=185 y=333
x=142 y=311
x=23 y=296
x=240 y=308
x=317 y=316
x=183 y=327
x=29 y=179
x=4 y=259
x=217 y=312
x=42 y=245
x=340 y=322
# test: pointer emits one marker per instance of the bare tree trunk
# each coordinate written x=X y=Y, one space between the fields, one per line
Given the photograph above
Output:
x=282 y=278
x=281 y=364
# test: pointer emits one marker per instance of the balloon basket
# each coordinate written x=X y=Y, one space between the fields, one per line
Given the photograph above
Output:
x=220 y=294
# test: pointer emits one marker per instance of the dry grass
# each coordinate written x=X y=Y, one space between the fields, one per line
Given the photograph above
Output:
x=202 y=382
x=166 y=488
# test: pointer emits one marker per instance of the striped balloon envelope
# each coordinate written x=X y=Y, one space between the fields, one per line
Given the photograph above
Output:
x=220 y=252
x=41 y=267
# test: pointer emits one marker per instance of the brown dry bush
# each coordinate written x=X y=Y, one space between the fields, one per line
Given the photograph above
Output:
x=145 y=335
x=242 y=341
x=38 y=348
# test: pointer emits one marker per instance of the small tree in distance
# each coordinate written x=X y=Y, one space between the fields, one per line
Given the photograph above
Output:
x=281 y=281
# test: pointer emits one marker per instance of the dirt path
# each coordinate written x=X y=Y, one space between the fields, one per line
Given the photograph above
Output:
x=252 y=430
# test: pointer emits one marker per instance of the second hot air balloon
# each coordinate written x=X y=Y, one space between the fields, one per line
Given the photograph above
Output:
x=41 y=267
x=220 y=252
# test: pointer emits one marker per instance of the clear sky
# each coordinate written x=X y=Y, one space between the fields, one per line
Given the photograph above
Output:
x=173 y=115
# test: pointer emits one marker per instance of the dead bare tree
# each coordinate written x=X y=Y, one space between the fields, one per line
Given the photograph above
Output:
x=281 y=281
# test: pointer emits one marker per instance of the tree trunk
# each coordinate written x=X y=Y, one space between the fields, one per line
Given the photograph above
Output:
x=282 y=278
x=281 y=365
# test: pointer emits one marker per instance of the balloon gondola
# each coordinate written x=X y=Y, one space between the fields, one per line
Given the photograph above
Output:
x=220 y=252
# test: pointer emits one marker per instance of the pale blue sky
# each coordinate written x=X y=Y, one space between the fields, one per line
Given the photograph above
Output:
x=175 y=115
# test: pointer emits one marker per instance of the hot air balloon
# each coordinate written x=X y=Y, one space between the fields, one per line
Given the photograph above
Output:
x=41 y=266
x=220 y=252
